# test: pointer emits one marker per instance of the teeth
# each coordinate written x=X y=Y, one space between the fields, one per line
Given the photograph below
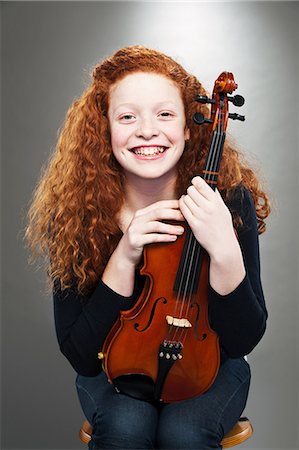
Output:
x=148 y=151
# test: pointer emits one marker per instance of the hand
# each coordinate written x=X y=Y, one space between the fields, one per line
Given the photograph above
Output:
x=147 y=227
x=208 y=217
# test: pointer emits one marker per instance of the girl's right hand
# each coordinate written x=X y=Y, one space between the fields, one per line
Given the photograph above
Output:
x=147 y=227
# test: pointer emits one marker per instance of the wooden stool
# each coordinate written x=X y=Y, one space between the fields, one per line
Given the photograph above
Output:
x=238 y=434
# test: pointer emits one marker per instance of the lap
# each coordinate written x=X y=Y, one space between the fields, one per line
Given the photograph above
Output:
x=215 y=412
x=118 y=421
x=211 y=415
x=98 y=396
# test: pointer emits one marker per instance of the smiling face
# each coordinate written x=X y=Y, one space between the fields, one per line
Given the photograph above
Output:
x=147 y=125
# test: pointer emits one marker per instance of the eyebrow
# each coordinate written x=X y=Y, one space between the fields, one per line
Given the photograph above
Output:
x=132 y=105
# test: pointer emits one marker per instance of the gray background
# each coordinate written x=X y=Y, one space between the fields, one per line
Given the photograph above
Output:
x=48 y=50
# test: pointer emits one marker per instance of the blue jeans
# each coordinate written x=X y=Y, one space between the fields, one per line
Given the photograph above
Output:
x=123 y=422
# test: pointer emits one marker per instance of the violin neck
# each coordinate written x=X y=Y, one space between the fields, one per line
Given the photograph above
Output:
x=211 y=170
x=192 y=255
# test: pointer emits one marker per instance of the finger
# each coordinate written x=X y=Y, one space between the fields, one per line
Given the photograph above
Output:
x=191 y=205
x=157 y=237
x=203 y=187
x=163 y=214
x=169 y=204
x=163 y=228
x=186 y=211
x=197 y=197
x=139 y=231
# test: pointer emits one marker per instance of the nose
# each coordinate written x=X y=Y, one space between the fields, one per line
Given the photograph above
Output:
x=147 y=128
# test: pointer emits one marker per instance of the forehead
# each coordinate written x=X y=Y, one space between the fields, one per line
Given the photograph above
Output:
x=144 y=86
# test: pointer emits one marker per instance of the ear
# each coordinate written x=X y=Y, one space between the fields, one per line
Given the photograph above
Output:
x=187 y=134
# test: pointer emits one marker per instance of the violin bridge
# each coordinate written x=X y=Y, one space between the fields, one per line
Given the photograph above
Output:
x=183 y=323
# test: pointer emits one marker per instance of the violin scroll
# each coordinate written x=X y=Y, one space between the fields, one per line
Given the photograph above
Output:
x=225 y=84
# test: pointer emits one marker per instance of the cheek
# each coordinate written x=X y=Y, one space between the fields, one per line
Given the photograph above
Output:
x=179 y=140
x=118 y=138
x=177 y=132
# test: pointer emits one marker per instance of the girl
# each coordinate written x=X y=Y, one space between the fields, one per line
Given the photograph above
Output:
x=124 y=175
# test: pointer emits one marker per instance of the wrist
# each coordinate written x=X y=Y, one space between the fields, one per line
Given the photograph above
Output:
x=226 y=253
x=123 y=256
x=225 y=247
x=119 y=274
x=227 y=269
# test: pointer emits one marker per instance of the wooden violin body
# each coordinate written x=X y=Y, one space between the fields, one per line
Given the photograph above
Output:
x=137 y=338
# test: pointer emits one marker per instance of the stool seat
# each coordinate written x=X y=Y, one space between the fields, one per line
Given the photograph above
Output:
x=238 y=434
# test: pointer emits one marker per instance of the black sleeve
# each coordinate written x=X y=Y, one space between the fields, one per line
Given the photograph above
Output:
x=240 y=317
x=82 y=324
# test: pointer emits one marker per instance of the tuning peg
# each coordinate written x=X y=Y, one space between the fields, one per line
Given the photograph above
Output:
x=237 y=100
x=199 y=119
x=235 y=116
x=204 y=99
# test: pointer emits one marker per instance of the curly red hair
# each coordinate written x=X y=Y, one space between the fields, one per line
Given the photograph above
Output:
x=72 y=217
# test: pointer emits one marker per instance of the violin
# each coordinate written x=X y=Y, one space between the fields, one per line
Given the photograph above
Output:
x=163 y=349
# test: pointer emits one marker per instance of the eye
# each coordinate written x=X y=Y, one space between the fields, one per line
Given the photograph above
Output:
x=166 y=114
x=127 y=117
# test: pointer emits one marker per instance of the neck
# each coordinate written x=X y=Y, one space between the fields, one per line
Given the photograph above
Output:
x=140 y=193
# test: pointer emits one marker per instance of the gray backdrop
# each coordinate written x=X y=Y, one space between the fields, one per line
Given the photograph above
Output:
x=48 y=51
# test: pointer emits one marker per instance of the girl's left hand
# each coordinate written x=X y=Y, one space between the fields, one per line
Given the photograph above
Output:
x=208 y=217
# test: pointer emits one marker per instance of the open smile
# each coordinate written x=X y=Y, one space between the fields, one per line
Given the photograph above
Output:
x=148 y=151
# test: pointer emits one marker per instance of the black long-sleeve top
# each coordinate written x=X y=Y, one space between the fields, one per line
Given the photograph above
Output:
x=239 y=318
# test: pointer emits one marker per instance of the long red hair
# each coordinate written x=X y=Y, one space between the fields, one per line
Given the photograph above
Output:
x=72 y=217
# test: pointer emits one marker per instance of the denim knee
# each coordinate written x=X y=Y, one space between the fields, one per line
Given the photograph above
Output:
x=117 y=431
x=118 y=421
x=174 y=437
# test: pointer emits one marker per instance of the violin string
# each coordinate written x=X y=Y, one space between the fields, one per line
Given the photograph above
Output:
x=211 y=165
x=215 y=155
x=194 y=257
x=171 y=328
x=195 y=261
x=184 y=331
x=184 y=283
x=189 y=252
x=191 y=272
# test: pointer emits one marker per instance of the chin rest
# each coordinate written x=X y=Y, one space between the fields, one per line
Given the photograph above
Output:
x=238 y=434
